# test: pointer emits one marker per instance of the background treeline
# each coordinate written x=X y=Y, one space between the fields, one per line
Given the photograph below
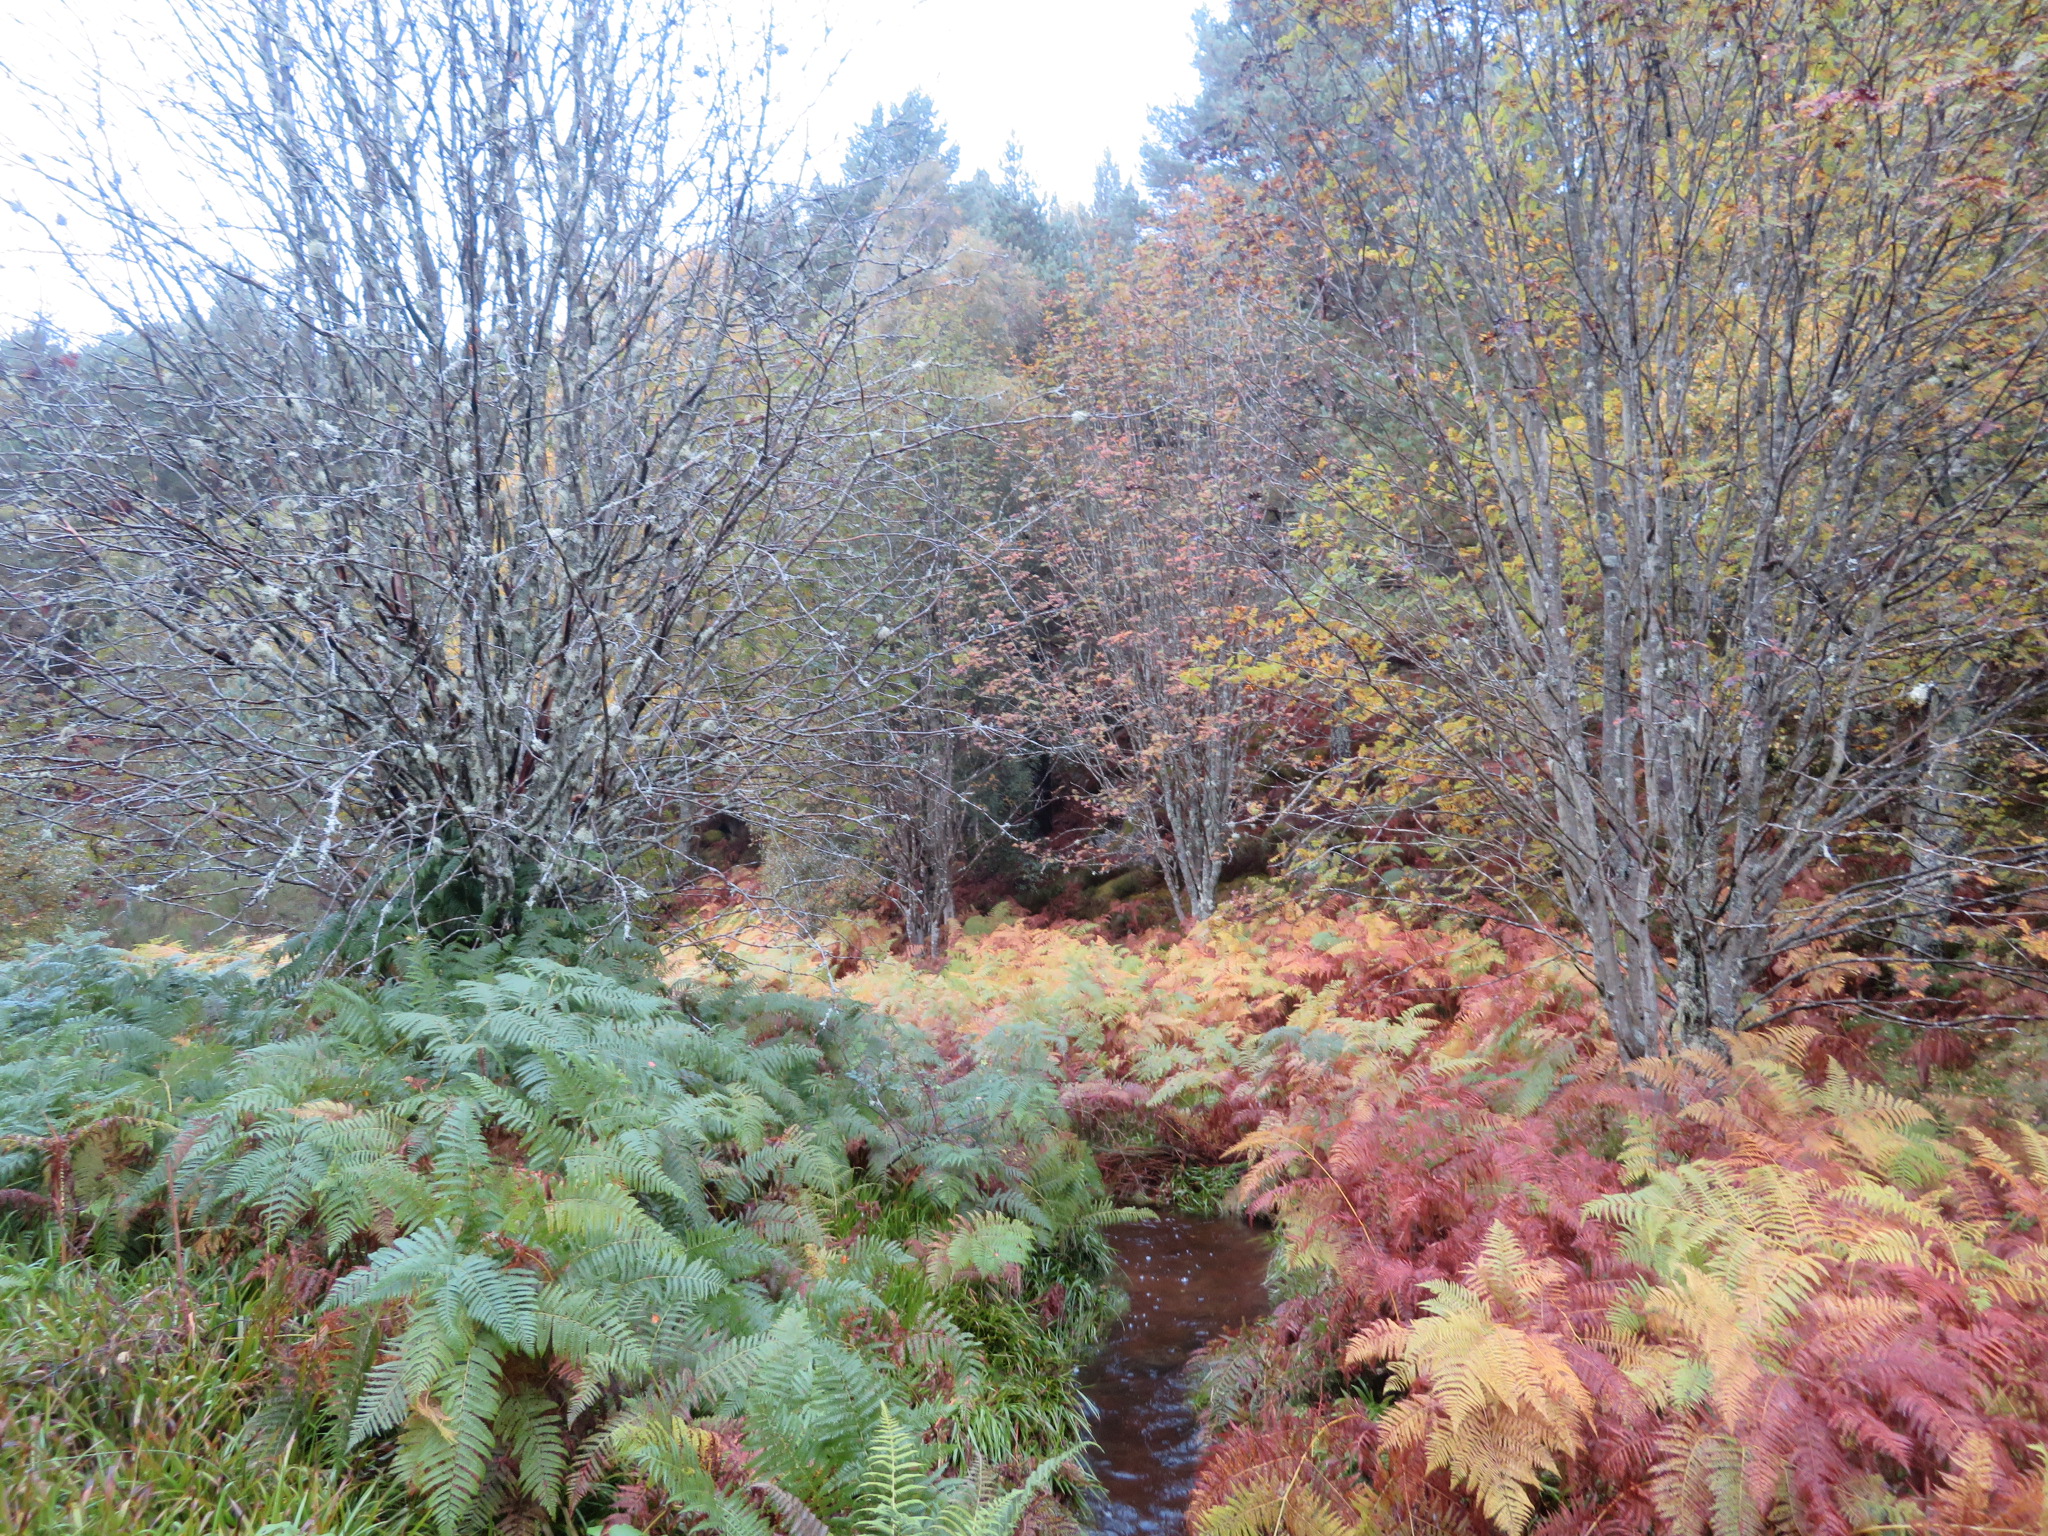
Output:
x=1500 y=467
x=1473 y=657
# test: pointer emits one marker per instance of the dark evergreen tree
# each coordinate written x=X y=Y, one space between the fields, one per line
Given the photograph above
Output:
x=1266 y=77
x=896 y=140
x=1015 y=214
x=1114 y=213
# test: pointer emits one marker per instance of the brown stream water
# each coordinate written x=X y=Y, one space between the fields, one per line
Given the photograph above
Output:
x=1190 y=1278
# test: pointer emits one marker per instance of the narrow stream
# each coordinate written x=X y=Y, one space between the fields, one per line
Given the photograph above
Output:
x=1190 y=1278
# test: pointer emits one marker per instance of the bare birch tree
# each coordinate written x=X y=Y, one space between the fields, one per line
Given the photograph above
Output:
x=1697 y=358
x=448 y=504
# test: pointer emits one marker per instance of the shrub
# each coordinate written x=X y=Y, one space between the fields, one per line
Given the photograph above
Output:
x=102 y=1053
x=1523 y=1285
x=497 y=1222
x=546 y=1206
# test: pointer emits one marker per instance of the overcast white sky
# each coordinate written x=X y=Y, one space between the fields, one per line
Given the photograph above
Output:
x=1069 y=79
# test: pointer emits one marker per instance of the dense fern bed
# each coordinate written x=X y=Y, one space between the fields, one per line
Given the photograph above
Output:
x=507 y=1243
x=517 y=1239
x=1524 y=1285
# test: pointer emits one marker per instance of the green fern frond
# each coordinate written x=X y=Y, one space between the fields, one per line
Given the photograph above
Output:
x=894 y=1498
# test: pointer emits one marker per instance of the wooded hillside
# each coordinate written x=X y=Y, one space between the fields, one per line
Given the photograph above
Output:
x=741 y=760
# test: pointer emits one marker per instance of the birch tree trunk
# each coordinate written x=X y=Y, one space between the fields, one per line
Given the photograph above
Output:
x=451 y=502
x=1933 y=829
x=1697 y=360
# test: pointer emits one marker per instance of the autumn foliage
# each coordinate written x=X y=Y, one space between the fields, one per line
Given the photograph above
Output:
x=1523 y=1284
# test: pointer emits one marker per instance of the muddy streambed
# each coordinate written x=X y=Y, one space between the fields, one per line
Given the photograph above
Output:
x=1190 y=1278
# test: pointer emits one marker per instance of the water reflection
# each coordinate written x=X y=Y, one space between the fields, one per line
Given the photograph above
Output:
x=1190 y=1279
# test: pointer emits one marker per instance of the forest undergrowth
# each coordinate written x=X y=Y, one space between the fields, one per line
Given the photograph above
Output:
x=1794 y=1282
x=519 y=1240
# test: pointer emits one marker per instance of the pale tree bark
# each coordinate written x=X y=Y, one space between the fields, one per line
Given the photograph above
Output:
x=456 y=493
x=1658 y=320
x=1933 y=827
x=1199 y=778
x=923 y=814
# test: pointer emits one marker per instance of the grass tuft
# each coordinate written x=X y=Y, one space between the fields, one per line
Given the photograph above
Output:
x=131 y=1405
